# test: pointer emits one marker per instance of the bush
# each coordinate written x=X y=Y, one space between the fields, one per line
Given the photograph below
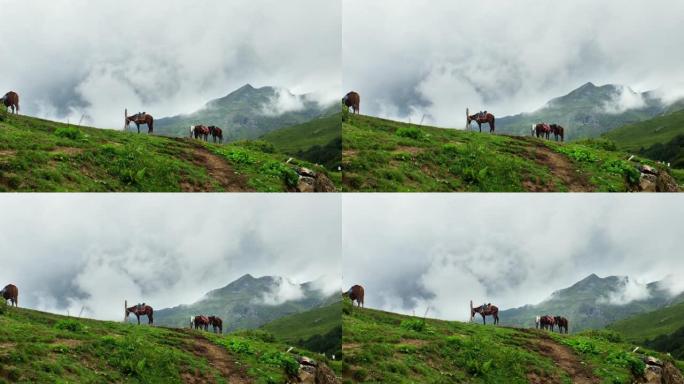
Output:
x=627 y=360
x=579 y=154
x=3 y=307
x=417 y=325
x=622 y=167
x=72 y=133
x=283 y=360
x=410 y=132
x=282 y=171
x=70 y=325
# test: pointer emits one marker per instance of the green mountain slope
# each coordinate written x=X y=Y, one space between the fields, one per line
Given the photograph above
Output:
x=42 y=155
x=241 y=304
x=391 y=348
x=37 y=347
x=387 y=156
x=585 y=304
x=246 y=113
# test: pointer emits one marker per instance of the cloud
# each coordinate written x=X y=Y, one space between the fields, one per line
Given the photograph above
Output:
x=282 y=291
x=629 y=290
x=283 y=101
x=623 y=99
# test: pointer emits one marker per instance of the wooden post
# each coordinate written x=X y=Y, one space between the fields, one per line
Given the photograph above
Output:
x=467 y=115
x=125 y=118
x=125 y=307
x=471 y=308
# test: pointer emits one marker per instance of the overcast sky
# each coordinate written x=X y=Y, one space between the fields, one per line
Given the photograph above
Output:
x=437 y=57
x=442 y=250
x=67 y=58
x=68 y=251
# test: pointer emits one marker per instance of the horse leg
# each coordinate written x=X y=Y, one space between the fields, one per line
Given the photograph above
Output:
x=484 y=319
x=138 y=316
x=138 y=126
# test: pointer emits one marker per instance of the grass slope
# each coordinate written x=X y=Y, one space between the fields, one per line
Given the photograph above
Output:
x=42 y=155
x=385 y=155
x=37 y=347
x=391 y=348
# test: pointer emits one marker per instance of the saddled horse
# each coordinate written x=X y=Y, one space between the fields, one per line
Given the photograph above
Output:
x=562 y=323
x=141 y=310
x=547 y=322
x=139 y=118
x=557 y=131
x=201 y=322
x=11 y=101
x=11 y=293
x=216 y=323
x=355 y=293
x=542 y=130
x=481 y=118
x=215 y=133
x=489 y=310
x=200 y=132
x=353 y=100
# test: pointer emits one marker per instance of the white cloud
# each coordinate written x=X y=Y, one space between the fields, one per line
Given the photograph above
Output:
x=624 y=99
x=629 y=290
x=282 y=291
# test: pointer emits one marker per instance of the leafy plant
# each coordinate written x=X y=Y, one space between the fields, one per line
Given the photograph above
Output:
x=69 y=325
x=72 y=133
x=410 y=132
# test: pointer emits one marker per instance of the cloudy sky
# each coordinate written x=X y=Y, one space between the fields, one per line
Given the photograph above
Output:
x=67 y=58
x=408 y=58
x=71 y=251
x=411 y=251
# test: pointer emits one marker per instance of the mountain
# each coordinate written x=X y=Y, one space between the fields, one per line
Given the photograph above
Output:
x=588 y=111
x=248 y=113
x=248 y=302
x=593 y=302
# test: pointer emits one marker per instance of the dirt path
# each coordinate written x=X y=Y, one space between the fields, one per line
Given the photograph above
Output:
x=219 y=170
x=565 y=359
x=561 y=167
x=219 y=359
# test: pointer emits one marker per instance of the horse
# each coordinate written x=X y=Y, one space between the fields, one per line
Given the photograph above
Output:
x=216 y=323
x=11 y=101
x=353 y=100
x=546 y=322
x=140 y=310
x=536 y=321
x=139 y=118
x=200 y=131
x=491 y=310
x=11 y=293
x=201 y=322
x=479 y=118
x=355 y=293
x=557 y=131
x=542 y=130
x=562 y=323
x=216 y=132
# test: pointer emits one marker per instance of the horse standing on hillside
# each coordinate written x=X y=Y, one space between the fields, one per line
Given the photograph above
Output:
x=11 y=293
x=141 y=310
x=353 y=100
x=201 y=322
x=547 y=322
x=480 y=118
x=216 y=132
x=216 y=323
x=11 y=101
x=562 y=323
x=542 y=130
x=139 y=118
x=489 y=310
x=355 y=293
x=200 y=132
x=557 y=131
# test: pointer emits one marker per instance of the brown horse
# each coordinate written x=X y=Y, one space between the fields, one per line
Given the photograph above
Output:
x=216 y=323
x=139 y=118
x=11 y=293
x=562 y=323
x=547 y=322
x=216 y=132
x=200 y=131
x=557 y=131
x=353 y=100
x=201 y=322
x=489 y=310
x=480 y=118
x=140 y=310
x=542 y=130
x=11 y=101
x=355 y=293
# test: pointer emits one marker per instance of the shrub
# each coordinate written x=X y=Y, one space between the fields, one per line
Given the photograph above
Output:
x=579 y=154
x=627 y=360
x=3 y=306
x=410 y=132
x=70 y=325
x=279 y=359
x=282 y=171
x=72 y=133
x=621 y=167
x=417 y=325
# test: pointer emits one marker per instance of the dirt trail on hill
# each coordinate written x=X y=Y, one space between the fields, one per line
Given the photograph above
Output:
x=219 y=170
x=564 y=358
x=561 y=167
x=219 y=359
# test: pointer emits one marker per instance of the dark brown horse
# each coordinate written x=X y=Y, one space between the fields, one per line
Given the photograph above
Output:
x=200 y=132
x=355 y=293
x=488 y=310
x=542 y=130
x=562 y=323
x=216 y=323
x=141 y=310
x=353 y=100
x=480 y=118
x=11 y=293
x=139 y=118
x=215 y=133
x=201 y=322
x=11 y=101
x=547 y=322
x=557 y=131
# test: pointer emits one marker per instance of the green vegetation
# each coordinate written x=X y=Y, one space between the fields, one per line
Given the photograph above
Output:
x=41 y=155
x=384 y=155
x=386 y=347
x=38 y=347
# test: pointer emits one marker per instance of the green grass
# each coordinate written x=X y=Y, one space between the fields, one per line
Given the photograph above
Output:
x=661 y=129
x=38 y=347
x=384 y=155
x=301 y=137
x=41 y=155
x=386 y=347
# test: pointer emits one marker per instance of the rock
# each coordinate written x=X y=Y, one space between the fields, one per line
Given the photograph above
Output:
x=306 y=184
x=649 y=170
x=653 y=375
x=325 y=375
x=306 y=172
x=303 y=360
x=647 y=182
x=666 y=183
x=650 y=360
x=672 y=375
x=323 y=184
x=307 y=374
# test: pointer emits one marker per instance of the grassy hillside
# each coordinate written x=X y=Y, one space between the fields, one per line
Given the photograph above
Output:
x=385 y=155
x=37 y=347
x=386 y=347
x=319 y=329
x=41 y=155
